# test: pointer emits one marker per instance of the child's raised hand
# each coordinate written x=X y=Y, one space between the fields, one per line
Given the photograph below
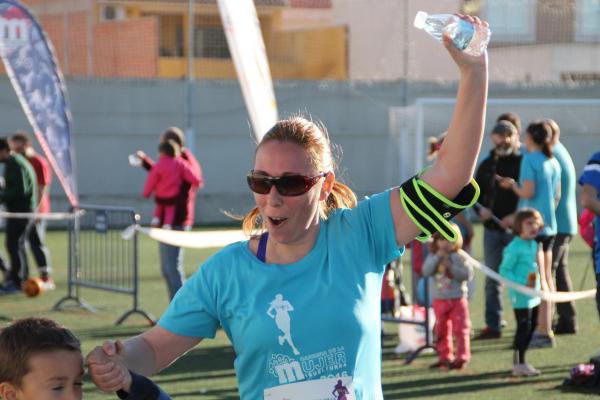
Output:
x=107 y=369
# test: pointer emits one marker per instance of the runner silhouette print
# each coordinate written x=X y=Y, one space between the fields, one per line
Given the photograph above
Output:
x=282 y=320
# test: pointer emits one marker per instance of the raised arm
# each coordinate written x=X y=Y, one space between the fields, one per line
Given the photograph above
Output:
x=456 y=159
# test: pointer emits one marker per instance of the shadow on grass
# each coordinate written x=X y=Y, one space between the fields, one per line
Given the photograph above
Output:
x=455 y=384
x=212 y=361
x=582 y=390
x=112 y=332
x=224 y=394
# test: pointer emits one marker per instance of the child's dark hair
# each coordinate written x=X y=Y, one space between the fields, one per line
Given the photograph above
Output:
x=170 y=148
x=541 y=134
x=511 y=117
x=27 y=337
x=522 y=215
x=436 y=237
x=4 y=143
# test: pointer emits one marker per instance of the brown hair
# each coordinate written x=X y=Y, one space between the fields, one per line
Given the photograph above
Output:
x=313 y=138
x=170 y=148
x=22 y=137
x=174 y=133
x=522 y=215
x=541 y=134
x=513 y=118
x=437 y=237
x=28 y=337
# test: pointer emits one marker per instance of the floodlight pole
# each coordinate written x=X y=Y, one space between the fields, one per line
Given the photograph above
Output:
x=189 y=81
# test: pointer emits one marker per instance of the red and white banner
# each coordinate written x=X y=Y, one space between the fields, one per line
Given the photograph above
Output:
x=29 y=60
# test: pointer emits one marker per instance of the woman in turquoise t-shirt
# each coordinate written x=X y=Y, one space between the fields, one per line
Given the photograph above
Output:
x=539 y=188
x=300 y=299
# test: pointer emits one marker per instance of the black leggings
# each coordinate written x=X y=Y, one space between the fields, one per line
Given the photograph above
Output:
x=526 y=322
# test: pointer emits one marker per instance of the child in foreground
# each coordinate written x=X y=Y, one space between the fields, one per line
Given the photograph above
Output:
x=519 y=264
x=451 y=272
x=41 y=360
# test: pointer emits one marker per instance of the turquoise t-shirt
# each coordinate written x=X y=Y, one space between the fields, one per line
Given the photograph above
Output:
x=518 y=261
x=315 y=319
x=566 y=211
x=545 y=174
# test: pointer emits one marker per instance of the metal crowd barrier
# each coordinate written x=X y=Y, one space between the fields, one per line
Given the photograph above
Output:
x=99 y=258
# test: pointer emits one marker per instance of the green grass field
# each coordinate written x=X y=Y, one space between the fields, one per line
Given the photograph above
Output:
x=207 y=371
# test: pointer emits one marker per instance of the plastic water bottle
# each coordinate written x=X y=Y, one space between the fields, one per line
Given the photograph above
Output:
x=134 y=160
x=465 y=36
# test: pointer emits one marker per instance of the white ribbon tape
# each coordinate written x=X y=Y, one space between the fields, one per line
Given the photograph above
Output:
x=192 y=240
x=554 y=297
x=46 y=216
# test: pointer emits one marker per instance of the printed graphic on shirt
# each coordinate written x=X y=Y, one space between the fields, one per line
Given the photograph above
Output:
x=331 y=363
x=298 y=374
x=319 y=389
x=279 y=310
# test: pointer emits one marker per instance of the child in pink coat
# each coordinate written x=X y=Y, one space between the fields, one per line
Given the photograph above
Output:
x=165 y=180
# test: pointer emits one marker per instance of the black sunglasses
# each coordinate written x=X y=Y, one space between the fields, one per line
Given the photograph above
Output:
x=287 y=185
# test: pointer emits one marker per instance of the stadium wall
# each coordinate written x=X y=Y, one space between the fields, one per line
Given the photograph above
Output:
x=115 y=117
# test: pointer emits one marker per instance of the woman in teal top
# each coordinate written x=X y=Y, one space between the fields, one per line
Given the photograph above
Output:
x=300 y=299
x=539 y=188
x=519 y=265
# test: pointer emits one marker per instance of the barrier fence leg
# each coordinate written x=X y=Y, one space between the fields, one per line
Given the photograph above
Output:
x=72 y=268
x=428 y=342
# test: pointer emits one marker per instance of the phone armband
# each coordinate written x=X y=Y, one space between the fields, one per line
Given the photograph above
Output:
x=430 y=210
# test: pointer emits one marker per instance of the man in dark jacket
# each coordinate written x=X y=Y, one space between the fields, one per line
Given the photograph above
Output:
x=494 y=208
x=19 y=196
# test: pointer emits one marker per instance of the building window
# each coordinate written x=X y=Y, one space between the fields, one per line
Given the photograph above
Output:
x=587 y=23
x=210 y=42
x=171 y=36
x=510 y=21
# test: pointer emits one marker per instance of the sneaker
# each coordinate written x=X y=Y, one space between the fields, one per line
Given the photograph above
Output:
x=442 y=364
x=9 y=288
x=488 y=333
x=167 y=226
x=155 y=222
x=525 y=369
x=458 y=364
x=47 y=283
x=540 y=341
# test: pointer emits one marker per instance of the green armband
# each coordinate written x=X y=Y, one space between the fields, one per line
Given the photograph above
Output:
x=430 y=210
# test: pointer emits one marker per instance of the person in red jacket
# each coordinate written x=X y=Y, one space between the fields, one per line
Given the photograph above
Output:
x=165 y=180
x=171 y=257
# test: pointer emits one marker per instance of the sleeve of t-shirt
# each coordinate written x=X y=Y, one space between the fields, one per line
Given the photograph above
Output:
x=527 y=172
x=193 y=310
x=142 y=388
x=510 y=258
x=373 y=224
x=591 y=173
